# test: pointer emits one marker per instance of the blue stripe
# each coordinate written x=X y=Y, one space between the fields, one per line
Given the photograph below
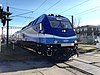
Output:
x=49 y=40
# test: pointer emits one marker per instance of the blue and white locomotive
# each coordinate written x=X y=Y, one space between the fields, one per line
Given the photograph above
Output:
x=49 y=35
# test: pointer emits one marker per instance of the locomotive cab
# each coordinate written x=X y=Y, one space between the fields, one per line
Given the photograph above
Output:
x=62 y=28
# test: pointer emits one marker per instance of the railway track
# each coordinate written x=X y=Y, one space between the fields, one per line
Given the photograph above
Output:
x=71 y=69
x=75 y=66
x=80 y=66
x=85 y=67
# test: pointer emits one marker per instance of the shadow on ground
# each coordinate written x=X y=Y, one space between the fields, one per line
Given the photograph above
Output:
x=20 y=59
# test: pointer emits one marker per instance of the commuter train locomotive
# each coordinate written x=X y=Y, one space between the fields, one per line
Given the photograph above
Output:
x=49 y=35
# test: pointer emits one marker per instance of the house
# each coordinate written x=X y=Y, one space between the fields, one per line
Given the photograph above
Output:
x=87 y=34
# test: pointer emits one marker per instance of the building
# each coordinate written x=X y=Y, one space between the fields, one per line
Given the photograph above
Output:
x=87 y=34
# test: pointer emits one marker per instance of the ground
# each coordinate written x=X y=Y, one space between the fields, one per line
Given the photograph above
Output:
x=19 y=61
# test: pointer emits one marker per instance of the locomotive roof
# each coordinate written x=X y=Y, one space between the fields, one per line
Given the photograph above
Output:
x=50 y=17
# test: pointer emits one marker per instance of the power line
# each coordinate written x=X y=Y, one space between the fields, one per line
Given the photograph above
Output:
x=25 y=17
x=19 y=9
x=23 y=23
x=40 y=5
x=30 y=11
x=52 y=6
x=23 y=14
x=88 y=10
x=75 y=6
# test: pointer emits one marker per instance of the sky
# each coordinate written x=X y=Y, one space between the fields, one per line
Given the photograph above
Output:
x=85 y=12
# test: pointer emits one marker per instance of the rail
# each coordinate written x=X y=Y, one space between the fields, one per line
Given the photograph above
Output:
x=82 y=66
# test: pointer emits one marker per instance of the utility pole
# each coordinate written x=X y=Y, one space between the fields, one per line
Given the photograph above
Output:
x=7 y=26
x=0 y=18
x=8 y=19
x=0 y=12
x=72 y=22
x=4 y=16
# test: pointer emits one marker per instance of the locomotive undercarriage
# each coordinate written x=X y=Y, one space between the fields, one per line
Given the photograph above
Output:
x=54 y=51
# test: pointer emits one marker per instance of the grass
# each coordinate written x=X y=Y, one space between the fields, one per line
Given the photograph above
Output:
x=8 y=53
x=83 y=48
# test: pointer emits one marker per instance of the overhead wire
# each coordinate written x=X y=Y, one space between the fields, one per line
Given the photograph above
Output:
x=40 y=5
x=48 y=8
x=52 y=6
x=74 y=6
x=23 y=23
x=88 y=10
x=30 y=11
x=25 y=17
x=19 y=9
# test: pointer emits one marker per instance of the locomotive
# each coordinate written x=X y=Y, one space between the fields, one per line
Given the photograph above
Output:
x=49 y=35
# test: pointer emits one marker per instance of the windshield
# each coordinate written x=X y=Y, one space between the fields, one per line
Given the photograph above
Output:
x=60 y=24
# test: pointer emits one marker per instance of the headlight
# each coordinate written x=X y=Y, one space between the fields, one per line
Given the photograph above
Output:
x=48 y=48
x=51 y=46
x=63 y=30
x=75 y=41
x=96 y=39
x=72 y=44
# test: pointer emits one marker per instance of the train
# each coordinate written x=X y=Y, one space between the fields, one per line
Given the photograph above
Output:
x=49 y=35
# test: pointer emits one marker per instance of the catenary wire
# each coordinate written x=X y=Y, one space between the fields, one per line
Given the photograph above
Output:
x=51 y=6
x=25 y=16
x=19 y=9
x=30 y=11
x=88 y=10
x=74 y=6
